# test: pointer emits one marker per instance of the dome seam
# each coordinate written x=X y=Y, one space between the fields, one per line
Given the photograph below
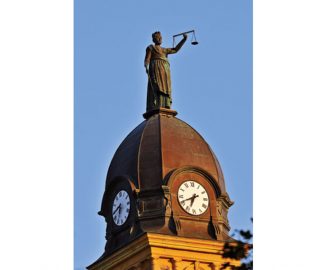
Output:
x=138 y=155
x=160 y=142
x=211 y=152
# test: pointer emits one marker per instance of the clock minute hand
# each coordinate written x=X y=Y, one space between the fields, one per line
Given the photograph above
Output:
x=187 y=199
x=191 y=198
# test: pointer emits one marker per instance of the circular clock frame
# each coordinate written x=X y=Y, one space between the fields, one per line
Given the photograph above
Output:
x=121 y=207
x=193 y=198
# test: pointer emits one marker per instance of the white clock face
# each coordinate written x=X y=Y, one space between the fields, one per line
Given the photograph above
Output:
x=121 y=207
x=193 y=197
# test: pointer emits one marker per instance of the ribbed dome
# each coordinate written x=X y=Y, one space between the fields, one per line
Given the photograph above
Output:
x=157 y=147
x=151 y=165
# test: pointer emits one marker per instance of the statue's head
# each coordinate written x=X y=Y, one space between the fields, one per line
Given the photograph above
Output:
x=157 y=38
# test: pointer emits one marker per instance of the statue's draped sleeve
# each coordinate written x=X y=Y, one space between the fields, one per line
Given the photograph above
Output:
x=170 y=50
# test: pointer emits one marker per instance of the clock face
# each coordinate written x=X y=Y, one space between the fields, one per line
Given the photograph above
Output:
x=193 y=197
x=121 y=207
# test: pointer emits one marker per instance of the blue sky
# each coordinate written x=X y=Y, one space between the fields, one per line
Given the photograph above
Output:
x=290 y=146
x=212 y=91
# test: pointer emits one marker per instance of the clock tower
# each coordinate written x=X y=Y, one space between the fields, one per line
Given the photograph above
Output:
x=165 y=200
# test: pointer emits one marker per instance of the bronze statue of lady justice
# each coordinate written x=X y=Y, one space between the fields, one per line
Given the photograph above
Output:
x=158 y=69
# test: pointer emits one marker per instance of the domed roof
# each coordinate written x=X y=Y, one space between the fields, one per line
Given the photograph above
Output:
x=157 y=147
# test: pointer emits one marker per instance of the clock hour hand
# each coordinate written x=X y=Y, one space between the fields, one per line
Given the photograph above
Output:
x=118 y=208
x=193 y=198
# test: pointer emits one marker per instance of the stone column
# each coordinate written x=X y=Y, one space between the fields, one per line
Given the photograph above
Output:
x=177 y=264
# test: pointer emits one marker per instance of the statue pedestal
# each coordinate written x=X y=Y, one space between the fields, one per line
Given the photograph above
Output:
x=160 y=110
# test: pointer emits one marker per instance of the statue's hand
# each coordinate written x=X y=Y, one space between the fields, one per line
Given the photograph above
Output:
x=147 y=69
x=185 y=36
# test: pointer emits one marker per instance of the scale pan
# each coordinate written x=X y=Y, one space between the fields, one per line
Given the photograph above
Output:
x=194 y=43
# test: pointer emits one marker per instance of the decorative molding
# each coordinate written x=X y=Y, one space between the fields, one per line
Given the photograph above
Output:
x=225 y=200
x=177 y=224
x=167 y=197
x=222 y=205
x=162 y=251
x=163 y=111
x=216 y=228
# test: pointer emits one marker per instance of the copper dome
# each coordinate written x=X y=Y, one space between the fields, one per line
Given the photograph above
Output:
x=158 y=146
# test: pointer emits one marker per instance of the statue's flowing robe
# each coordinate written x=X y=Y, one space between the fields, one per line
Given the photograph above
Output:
x=159 y=83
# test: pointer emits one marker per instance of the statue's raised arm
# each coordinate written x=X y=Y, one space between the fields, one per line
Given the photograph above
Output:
x=179 y=45
x=158 y=70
